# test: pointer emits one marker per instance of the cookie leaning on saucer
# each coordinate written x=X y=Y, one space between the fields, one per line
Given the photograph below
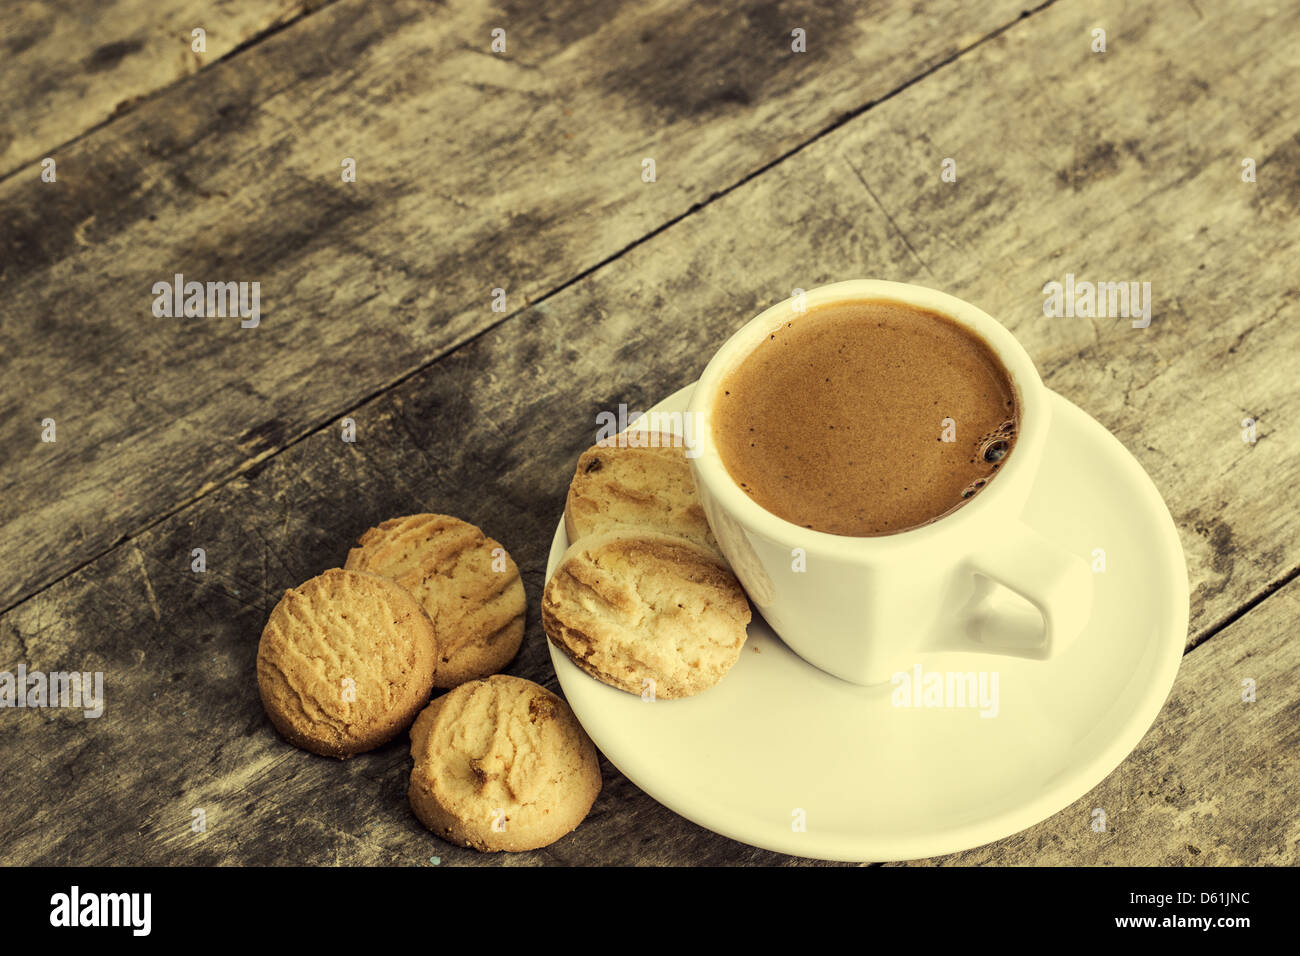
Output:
x=635 y=607
x=345 y=662
x=501 y=764
x=648 y=485
x=465 y=581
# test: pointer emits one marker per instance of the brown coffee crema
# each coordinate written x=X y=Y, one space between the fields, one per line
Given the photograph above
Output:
x=866 y=418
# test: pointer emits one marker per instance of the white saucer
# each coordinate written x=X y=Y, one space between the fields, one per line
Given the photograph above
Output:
x=878 y=782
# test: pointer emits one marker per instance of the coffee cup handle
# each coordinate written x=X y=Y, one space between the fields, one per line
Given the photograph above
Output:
x=1057 y=582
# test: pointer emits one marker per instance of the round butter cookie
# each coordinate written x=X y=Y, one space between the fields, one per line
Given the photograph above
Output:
x=345 y=662
x=647 y=486
x=501 y=764
x=647 y=613
x=464 y=580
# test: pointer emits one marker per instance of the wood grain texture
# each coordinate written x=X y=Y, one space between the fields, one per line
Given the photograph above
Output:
x=67 y=67
x=474 y=172
x=490 y=433
x=1213 y=783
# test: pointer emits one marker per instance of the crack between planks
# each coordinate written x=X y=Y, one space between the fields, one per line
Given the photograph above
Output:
x=1235 y=615
x=455 y=346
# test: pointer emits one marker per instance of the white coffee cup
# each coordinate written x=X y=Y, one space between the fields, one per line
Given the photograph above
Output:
x=864 y=608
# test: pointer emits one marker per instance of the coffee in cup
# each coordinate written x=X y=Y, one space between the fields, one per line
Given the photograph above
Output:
x=866 y=418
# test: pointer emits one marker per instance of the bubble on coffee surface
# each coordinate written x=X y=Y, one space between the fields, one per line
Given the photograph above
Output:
x=995 y=445
x=973 y=488
x=992 y=449
x=995 y=451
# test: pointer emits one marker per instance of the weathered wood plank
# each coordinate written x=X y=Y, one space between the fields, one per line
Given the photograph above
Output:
x=1214 y=781
x=490 y=433
x=65 y=68
x=475 y=172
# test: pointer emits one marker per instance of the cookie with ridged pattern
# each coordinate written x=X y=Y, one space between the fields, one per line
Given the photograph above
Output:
x=466 y=582
x=636 y=480
x=646 y=612
x=345 y=663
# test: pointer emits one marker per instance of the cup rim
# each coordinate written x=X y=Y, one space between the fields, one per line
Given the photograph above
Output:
x=1025 y=380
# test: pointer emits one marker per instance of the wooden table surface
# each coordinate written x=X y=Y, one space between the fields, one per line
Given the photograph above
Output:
x=523 y=171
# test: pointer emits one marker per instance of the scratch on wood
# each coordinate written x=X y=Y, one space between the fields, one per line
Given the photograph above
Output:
x=148 y=585
x=902 y=235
